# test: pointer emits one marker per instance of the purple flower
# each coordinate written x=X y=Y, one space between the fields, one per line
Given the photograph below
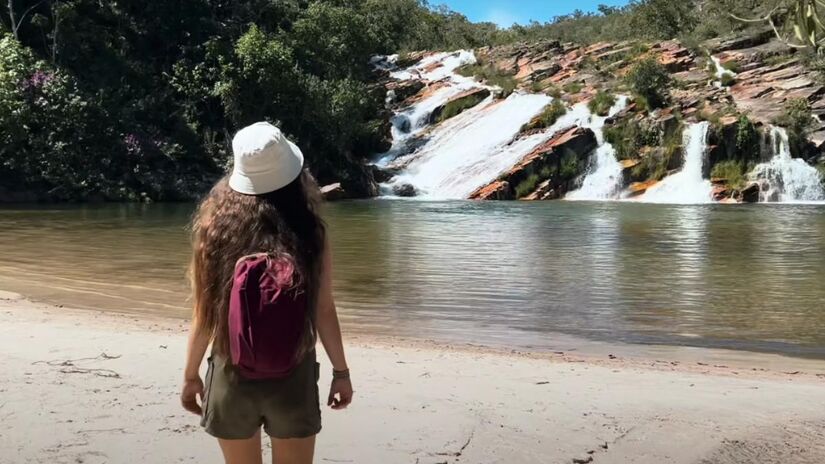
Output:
x=37 y=80
x=132 y=143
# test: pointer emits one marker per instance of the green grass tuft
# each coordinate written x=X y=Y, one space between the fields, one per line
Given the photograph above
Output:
x=733 y=172
x=732 y=66
x=527 y=186
x=548 y=117
x=601 y=103
x=456 y=107
x=573 y=88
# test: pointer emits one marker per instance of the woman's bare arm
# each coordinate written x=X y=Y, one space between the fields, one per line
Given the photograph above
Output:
x=192 y=383
x=329 y=330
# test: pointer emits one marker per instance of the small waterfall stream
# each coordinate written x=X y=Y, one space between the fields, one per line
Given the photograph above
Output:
x=721 y=71
x=604 y=181
x=686 y=186
x=784 y=178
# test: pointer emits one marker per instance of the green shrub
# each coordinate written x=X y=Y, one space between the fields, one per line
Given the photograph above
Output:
x=731 y=65
x=456 y=107
x=747 y=139
x=629 y=136
x=727 y=80
x=553 y=91
x=572 y=88
x=405 y=60
x=56 y=140
x=650 y=80
x=470 y=70
x=655 y=164
x=569 y=165
x=548 y=117
x=527 y=186
x=601 y=103
x=733 y=172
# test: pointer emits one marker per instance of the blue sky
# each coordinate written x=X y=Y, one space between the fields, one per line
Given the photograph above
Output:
x=505 y=13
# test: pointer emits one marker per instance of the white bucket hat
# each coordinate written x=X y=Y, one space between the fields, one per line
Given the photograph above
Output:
x=265 y=160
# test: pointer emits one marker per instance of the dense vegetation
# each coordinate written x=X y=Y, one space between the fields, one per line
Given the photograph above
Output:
x=131 y=100
x=138 y=100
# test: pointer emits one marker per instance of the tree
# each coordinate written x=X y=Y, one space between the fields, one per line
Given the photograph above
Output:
x=650 y=80
x=16 y=20
x=665 y=19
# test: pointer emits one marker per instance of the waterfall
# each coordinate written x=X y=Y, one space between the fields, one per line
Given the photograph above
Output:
x=466 y=152
x=435 y=70
x=604 y=182
x=473 y=148
x=720 y=71
x=784 y=178
x=686 y=186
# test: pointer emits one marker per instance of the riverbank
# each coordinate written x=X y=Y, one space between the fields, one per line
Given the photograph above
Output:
x=84 y=386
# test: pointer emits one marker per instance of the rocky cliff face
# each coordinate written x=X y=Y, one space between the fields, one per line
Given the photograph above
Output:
x=739 y=85
x=547 y=172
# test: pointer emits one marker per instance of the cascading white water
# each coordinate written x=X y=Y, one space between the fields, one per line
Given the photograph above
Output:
x=471 y=149
x=604 y=181
x=686 y=186
x=784 y=178
x=432 y=69
x=721 y=71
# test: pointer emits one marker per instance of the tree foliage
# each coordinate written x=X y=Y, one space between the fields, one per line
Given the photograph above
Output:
x=133 y=99
x=650 y=80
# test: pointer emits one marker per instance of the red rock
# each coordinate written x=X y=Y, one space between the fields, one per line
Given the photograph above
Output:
x=580 y=141
x=638 y=188
x=333 y=192
x=598 y=48
x=543 y=192
x=432 y=67
x=720 y=192
x=498 y=190
x=426 y=92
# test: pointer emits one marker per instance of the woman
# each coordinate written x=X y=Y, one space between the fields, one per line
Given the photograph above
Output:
x=264 y=214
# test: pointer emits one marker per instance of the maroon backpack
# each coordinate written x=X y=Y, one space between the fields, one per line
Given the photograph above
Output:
x=267 y=314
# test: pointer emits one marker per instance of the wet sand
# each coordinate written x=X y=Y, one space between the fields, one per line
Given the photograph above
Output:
x=91 y=387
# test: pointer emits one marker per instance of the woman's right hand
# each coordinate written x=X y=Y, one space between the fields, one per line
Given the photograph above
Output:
x=192 y=389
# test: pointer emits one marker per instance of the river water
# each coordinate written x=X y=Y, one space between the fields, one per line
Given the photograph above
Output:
x=747 y=277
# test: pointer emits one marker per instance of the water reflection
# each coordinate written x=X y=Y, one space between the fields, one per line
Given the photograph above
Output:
x=517 y=273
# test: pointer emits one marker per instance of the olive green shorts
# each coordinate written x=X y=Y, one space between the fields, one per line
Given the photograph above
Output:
x=235 y=408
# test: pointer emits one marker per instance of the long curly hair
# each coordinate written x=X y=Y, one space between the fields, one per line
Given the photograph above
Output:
x=229 y=225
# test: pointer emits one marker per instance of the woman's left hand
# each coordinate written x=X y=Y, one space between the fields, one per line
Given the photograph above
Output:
x=340 y=393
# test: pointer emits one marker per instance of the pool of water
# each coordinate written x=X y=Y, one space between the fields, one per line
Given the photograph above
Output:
x=522 y=274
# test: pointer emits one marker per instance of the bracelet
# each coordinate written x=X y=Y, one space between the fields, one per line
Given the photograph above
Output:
x=340 y=375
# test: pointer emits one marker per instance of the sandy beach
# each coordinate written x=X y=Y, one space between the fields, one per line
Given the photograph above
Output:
x=90 y=387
